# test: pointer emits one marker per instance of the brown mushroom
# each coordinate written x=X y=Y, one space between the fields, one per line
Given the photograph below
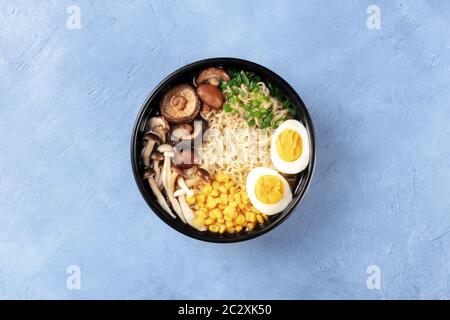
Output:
x=156 y=157
x=180 y=104
x=158 y=125
x=212 y=76
x=200 y=175
x=151 y=139
x=210 y=95
x=206 y=108
x=148 y=175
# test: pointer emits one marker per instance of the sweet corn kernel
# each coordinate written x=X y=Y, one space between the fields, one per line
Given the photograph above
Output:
x=240 y=219
x=215 y=213
x=228 y=219
x=259 y=218
x=190 y=200
x=250 y=227
x=221 y=221
x=231 y=230
x=265 y=216
x=215 y=185
x=215 y=193
x=252 y=217
x=214 y=228
x=224 y=198
x=229 y=224
x=207 y=188
x=201 y=198
x=248 y=216
x=229 y=184
x=223 y=189
x=211 y=203
x=229 y=211
x=222 y=228
x=233 y=204
x=208 y=221
x=238 y=228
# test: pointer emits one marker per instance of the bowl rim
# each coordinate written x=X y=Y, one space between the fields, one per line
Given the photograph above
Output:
x=135 y=162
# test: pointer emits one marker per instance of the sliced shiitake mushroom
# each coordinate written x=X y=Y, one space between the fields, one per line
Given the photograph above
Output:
x=212 y=76
x=180 y=104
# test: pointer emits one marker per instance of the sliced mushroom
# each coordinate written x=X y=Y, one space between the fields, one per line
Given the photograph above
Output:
x=156 y=157
x=151 y=139
x=188 y=213
x=167 y=150
x=170 y=194
x=200 y=175
x=158 y=125
x=180 y=104
x=212 y=76
x=210 y=95
x=148 y=175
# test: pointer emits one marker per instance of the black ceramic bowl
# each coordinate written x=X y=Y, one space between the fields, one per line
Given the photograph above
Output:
x=186 y=75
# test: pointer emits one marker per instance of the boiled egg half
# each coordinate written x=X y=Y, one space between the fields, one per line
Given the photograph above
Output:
x=289 y=148
x=268 y=191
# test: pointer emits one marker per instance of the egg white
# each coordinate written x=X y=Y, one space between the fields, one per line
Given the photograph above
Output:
x=268 y=209
x=302 y=162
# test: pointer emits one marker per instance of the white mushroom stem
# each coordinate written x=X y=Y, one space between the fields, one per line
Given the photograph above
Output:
x=182 y=185
x=165 y=175
x=178 y=193
x=167 y=150
x=188 y=213
x=170 y=191
x=159 y=197
x=157 y=174
x=147 y=152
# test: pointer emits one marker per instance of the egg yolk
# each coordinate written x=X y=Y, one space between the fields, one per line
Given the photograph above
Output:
x=269 y=189
x=289 y=145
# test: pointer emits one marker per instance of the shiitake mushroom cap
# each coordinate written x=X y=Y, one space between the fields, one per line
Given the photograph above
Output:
x=180 y=104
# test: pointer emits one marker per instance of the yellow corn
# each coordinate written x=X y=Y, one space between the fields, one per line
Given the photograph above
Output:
x=240 y=219
x=215 y=193
x=238 y=228
x=214 y=228
x=260 y=218
x=211 y=203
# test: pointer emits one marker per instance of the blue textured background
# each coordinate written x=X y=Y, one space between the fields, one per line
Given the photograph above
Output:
x=379 y=100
